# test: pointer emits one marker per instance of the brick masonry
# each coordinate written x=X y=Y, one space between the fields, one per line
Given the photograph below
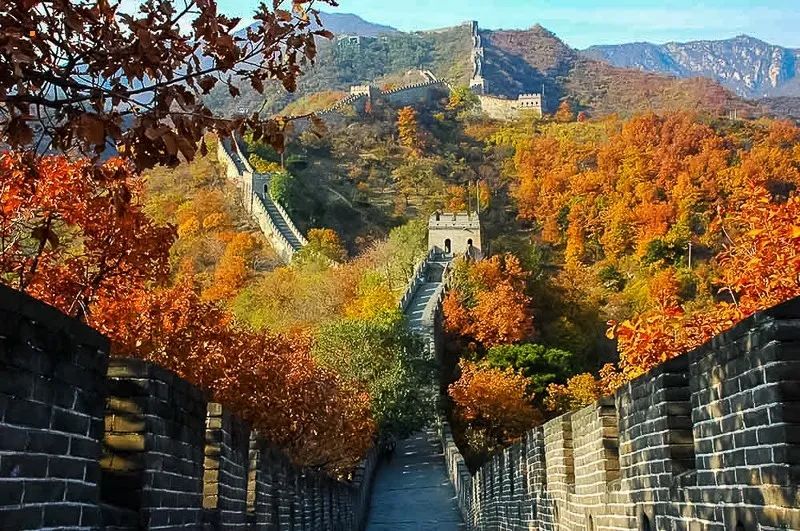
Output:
x=52 y=383
x=88 y=443
x=709 y=441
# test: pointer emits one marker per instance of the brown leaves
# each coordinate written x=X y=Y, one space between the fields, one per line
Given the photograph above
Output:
x=138 y=71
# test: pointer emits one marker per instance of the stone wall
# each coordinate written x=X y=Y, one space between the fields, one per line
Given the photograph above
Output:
x=52 y=384
x=707 y=441
x=413 y=94
x=252 y=187
x=167 y=458
x=508 y=109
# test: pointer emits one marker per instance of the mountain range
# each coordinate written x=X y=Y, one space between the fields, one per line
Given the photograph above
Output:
x=350 y=24
x=748 y=66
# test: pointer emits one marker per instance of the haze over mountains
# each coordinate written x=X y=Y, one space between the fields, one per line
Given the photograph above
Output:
x=350 y=24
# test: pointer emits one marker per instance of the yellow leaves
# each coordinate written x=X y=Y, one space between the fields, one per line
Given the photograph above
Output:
x=374 y=298
x=213 y=221
x=408 y=131
x=189 y=228
x=795 y=232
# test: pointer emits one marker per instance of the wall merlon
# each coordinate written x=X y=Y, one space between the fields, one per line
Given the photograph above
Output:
x=163 y=451
x=706 y=441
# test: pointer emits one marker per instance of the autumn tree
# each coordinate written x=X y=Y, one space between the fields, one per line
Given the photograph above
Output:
x=233 y=269
x=71 y=232
x=270 y=381
x=456 y=200
x=85 y=76
x=564 y=113
x=493 y=404
x=462 y=99
x=408 y=131
x=323 y=244
x=487 y=301
x=758 y=268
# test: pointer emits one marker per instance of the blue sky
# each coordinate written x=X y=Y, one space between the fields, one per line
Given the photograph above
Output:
x=584 y=22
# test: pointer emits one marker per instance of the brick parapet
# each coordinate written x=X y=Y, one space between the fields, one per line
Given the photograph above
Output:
x=125 y=445
x=52 y=384
x=707 y=441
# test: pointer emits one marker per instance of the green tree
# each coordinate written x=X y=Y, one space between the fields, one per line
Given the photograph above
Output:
x=462 y=100
x=282 y=188
x=382 y=355
x=542 y=365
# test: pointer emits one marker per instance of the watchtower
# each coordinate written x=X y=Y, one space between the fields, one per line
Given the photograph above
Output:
x=370 y=91
x=530 y=102
x=455 y=234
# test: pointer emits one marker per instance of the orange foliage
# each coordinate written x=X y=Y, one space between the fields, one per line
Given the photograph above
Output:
x=74 y=235
x=489 y=303
x=651 y=173
x=408 y=130
x=564 y=113
x=71 y=233
x=456 y=200
x=759 y=268
x=232 y=271
x=494 y=401
x=270 y=381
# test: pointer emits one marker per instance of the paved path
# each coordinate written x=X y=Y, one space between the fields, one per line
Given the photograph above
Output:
x=412 y=491
x=260 y=187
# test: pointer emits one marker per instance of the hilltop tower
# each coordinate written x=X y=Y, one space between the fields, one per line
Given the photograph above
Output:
x=455 y=234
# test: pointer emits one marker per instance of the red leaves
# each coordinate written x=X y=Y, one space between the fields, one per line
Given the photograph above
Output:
x=100 y=241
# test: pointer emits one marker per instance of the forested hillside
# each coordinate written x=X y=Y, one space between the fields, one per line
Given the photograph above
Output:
x=748 y=66
x=631 y=222
x=526 y=61
x=382 y=60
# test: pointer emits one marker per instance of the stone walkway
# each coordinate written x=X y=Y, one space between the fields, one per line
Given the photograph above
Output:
x=412 y=491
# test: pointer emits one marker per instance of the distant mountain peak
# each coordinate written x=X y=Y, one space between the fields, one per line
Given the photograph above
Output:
x=745 y=64
x=351 y=24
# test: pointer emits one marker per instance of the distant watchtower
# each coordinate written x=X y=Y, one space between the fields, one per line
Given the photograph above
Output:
x=455 y=234
x=528 y=102
x=370 y=91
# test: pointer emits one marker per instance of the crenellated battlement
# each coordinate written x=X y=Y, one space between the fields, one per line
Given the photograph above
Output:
x=90 y=442
x=709 y=440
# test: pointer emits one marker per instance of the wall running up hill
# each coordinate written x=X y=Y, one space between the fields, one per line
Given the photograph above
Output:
x=709 y=441
x=271 y=217
x=87 y=443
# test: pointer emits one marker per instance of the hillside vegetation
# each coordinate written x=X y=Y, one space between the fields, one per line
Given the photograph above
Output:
x=377 y=60
x=529 y=60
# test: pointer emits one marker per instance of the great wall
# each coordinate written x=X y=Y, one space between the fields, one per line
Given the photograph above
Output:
x=709 y=441
x=495 y=107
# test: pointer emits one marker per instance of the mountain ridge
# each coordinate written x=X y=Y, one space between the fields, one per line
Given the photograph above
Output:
x=749 y=66
x=352 y=24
